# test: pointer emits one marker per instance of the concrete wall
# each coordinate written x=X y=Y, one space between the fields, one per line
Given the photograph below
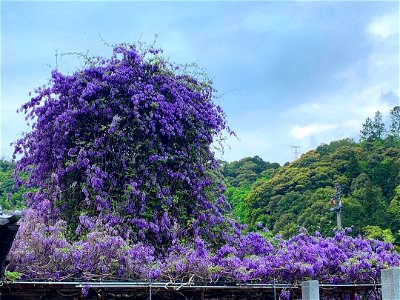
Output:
x=310 y=290
x=390 y=284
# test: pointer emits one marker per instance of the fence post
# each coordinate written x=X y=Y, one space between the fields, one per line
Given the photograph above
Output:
x=390 y=283
x=310 y=290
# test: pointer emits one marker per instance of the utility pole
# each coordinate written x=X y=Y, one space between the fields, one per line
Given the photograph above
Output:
x=295 y=151
x=335 y=200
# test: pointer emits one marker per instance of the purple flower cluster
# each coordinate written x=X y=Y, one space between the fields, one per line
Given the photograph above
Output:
x=125 y=142
x=42 y=252
x=126 y=187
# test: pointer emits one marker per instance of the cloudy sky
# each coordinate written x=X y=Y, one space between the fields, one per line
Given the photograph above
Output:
x=289 y=73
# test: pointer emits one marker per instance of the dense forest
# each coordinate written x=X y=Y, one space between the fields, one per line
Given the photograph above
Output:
x=285 y=198
x=10 y=195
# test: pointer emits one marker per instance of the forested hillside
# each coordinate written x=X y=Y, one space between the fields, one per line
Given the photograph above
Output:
x=297 y=194
x=241 y=177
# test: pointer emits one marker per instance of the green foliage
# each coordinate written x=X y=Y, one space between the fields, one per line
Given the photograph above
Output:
x=12 y=276
x=394 y=130
x=377 y=233
x=373 y=130
x=236 y=197
x=394 y=209
x=243 y=176
x=10 y=195
x=378 y=126
x=367 y=131
x=297 y=194
x=247 y=170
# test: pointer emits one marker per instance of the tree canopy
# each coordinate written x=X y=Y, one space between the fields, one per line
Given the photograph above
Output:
x=11 y=196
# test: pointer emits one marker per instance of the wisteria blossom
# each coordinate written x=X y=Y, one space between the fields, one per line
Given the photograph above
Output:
x=125 y=143
x=126 y=186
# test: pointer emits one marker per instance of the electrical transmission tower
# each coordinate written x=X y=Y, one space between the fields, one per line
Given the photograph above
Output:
x=295 y=151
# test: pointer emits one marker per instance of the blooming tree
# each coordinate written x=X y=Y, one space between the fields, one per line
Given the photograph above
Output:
x=125 y=143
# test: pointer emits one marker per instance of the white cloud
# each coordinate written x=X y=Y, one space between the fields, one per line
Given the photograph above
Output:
x=372 y=101
x=300 y=132
x=272 y=144
x=310 y=108
x=385 y=26
x=347 y=102
x=341 y=110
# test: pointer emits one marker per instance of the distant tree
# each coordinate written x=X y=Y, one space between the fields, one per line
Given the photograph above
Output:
x=373 y=130
x=325 y=149
x=394 y=129
x=372 y=201
x=394 y=210
x=377 y=233
x=246 y=171
x=367 y=131
x=378 y=126
x=241 y=177
x=10 y=195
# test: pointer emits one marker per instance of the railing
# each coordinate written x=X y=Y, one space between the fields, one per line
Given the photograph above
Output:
x=388 y=289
